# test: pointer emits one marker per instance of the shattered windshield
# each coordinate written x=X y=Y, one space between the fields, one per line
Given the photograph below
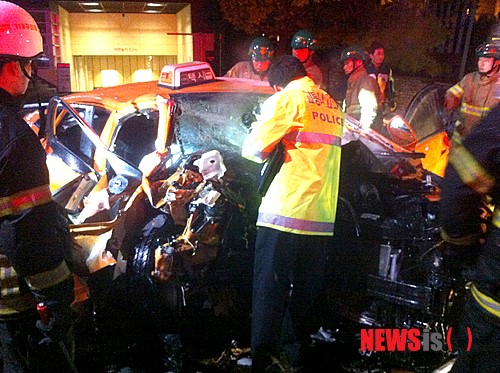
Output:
x=213 y=121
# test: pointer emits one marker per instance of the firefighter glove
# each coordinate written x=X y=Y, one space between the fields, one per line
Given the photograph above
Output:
x=54 y=309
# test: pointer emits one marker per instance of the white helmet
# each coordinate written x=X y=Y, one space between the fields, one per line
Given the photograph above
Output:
x=19 y=33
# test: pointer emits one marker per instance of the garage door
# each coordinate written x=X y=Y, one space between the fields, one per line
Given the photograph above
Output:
x=106 y=71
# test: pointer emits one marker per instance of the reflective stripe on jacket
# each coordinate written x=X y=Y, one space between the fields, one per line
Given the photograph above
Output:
x=478 y=96
x=34 y=233
x=473 y=175
x=488 y=303
x=302 y=198
x=15 y=296
x=25 y=200
x=469 y=169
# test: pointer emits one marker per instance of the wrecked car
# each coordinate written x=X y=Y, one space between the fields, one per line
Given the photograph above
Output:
x=162 y=209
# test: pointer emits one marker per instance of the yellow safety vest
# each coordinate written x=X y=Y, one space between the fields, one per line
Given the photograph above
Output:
x=302 y=198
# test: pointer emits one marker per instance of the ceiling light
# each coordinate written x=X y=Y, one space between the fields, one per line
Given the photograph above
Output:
x=153 y=7
x=91 y=6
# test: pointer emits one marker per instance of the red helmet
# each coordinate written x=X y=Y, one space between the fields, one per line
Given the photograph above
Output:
x=19 y=33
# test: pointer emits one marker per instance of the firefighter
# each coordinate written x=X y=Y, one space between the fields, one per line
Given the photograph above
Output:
x=475 y=93
x=382 y=73
x=261 y=51
x=362 y=99
x=473 y=177
x=473 y=174
x=34 y=235
x=297 y=214
x=303 y=47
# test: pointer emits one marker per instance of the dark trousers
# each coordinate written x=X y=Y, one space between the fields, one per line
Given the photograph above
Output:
x=289 y=272
x=484 y=355
x=15 y=340
x=21 y=352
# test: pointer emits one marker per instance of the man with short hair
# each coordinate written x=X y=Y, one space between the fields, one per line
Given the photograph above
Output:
x=382 y=73
x=476 y=93
x=297 y=214
x=34 y=236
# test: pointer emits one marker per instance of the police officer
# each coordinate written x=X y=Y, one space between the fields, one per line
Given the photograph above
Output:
x=261 y=51
x=362 y=100
x=34 y=236
x=475 y=93
x=473 y=179
x=303 y=47
x=297 y=215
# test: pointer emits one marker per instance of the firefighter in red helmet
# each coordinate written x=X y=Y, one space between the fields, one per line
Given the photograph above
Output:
x=34 y=235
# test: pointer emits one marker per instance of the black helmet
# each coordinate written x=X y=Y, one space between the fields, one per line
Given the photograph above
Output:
x=303 y=39
x=261 y=49
x=488 y=50
x=354 y=52
x=494 y=38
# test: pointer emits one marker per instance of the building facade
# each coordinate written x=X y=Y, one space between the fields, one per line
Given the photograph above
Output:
x=92 y=44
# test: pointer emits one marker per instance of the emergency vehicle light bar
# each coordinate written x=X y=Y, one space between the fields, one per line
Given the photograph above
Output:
x=186 y=74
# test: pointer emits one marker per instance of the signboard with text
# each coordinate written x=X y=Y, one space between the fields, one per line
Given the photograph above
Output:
x=186 y=74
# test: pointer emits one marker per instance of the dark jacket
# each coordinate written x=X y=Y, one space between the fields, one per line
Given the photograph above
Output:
x=473 y=173
x=34 y=235
x=384 y=78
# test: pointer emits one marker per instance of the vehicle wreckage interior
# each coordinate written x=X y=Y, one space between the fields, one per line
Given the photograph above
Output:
x=167 y=251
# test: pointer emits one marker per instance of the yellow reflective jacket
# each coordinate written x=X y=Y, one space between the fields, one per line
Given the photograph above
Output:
x=302 y=198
